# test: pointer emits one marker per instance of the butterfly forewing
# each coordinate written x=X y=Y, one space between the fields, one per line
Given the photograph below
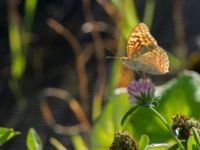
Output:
x=139 y=37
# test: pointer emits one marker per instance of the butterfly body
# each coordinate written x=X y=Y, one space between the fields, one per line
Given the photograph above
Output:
x=143 y=52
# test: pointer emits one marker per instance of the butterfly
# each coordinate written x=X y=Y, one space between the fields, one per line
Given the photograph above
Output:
x=143 y=52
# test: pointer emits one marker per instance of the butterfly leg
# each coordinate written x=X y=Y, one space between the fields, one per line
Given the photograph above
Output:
x=144 y=75
x=140 y=74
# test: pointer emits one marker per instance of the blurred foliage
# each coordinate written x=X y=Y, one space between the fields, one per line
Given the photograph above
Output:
x=78 y=142
x=127 y=13
x=17 y=56
x=128 y=19
x=180 y=95
x=29 y=11
x=196 y=137
x=192 y=144
x=33 y=140
x=144 y=141
x=149 y=12
x=18 y=37
x=57 y=144
x=7 y=134
x=109 y=122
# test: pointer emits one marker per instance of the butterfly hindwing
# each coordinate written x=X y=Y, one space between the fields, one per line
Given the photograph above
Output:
x=151 y=59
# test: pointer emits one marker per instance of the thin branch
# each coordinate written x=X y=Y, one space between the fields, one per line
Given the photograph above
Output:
x=99 y=50
x=79 y=56
x=180 y=31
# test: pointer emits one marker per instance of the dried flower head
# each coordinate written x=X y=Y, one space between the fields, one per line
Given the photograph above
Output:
x=123 y=141
x=182 y=126
x=141 y=92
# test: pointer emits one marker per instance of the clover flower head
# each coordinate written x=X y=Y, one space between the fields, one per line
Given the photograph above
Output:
x=182 y=126
x=123 y=141
x=141 y=92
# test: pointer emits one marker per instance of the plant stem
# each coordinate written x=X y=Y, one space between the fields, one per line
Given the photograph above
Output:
x=127 y=115
x=168 y=127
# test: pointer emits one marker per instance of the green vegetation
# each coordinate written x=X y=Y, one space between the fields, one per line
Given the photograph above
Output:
x=149 y=124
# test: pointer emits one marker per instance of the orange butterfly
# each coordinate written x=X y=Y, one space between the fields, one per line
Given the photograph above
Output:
x=143 y=52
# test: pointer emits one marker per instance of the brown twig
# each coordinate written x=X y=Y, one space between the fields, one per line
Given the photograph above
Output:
x=73 y=104
x=60 y=29
x=109 y=8
x=99 y=51
x=179 y=29
x=80 y=59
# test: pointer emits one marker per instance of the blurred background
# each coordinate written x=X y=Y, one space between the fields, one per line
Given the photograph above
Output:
x=54 y=74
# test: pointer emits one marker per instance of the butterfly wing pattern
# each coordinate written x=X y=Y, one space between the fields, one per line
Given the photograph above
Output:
x=143 y=52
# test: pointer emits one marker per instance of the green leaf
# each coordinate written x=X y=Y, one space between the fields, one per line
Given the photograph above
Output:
x=161 y=146
x=149 y=12
x=128 y=16
x=104 y=127
x=180 y=95
x=127 y=11
x=78 y=142
x=144 y=141
x=15 y=43
x=6 y=134
x=57 y=144
x=29 y=12
x=175 y=62
x=191 y=143
x=128 y=114
x=33 y=140
x=196 y=136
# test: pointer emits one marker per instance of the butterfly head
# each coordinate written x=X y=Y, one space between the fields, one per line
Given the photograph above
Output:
x=124 y=60
x=130 y=63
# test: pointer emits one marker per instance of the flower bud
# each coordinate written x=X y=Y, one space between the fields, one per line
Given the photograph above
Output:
x=141 y=92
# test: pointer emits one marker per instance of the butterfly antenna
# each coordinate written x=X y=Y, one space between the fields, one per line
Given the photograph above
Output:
x=139 y=75
x=112 y=57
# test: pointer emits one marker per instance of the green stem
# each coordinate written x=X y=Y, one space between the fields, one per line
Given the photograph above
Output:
x=149 y=12
x=168 y=127
x=128 y=115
